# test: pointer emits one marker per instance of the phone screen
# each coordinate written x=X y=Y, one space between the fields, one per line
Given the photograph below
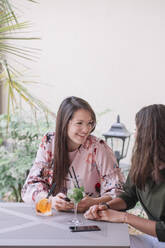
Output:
x=84 y=228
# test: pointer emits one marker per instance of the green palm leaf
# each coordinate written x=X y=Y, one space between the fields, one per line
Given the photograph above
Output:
x=10 y=30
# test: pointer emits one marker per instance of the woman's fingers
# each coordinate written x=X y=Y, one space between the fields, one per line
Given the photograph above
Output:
x=60 y=195
x=84 y=204
x=93 y=212
x=59 y=202
x=63 y=206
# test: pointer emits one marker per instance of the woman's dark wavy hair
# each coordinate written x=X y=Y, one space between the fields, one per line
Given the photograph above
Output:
x=149 y=148
x=61 y=160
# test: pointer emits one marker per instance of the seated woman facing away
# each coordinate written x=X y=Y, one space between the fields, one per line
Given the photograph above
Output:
x=73 y=146
x=145 y=183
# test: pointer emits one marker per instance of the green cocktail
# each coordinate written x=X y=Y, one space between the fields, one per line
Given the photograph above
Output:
x=75 y=194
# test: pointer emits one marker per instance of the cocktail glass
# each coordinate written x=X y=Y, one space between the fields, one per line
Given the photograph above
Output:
x=43 y=205
x=75 y=193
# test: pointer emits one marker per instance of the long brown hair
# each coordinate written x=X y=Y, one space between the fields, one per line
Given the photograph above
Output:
x=65 y=113
x=149 y=148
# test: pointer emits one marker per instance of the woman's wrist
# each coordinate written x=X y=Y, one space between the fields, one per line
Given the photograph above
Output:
x=102 y=199
x=105 y=204
x=95 y=201
x=125 y=217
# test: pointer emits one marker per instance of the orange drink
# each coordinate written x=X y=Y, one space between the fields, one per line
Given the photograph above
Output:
x=43 y=206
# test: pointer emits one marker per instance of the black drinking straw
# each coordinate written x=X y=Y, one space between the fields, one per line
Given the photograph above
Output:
x=72 y=177
x=51 y=190
x=75 y=177
x=70 y=174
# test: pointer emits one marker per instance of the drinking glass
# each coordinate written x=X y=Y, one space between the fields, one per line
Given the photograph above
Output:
x=43 y=205
x=75 y=193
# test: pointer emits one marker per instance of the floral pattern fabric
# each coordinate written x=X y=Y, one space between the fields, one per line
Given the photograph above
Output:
x=94 y=163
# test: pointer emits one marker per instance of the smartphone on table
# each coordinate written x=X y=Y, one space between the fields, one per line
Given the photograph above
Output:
x=84 y=228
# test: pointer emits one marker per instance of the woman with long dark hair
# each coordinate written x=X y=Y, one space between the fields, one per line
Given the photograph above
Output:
x=73 y=146
x=145 y=182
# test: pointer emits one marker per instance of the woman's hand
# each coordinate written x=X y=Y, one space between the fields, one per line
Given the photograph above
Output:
x=100 y=212
x=94 y=212
x=113 y=216
x=60 y=204
x=86 y=203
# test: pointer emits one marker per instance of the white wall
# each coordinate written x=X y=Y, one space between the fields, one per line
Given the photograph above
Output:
x=109 y=52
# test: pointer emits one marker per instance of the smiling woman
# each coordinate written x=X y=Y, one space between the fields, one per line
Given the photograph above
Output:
x=79 y=128
x=73 y=146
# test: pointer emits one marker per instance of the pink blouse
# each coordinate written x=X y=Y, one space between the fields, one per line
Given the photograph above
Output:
x=94 y=162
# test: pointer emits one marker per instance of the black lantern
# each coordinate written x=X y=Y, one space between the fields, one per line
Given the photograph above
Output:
x=118 y=137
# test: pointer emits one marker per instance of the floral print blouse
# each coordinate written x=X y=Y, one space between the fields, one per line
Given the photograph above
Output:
x=94 y=162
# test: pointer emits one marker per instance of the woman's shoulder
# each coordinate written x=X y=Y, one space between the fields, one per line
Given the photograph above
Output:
x=93 y=141
x=97 y=139
x=48 y=138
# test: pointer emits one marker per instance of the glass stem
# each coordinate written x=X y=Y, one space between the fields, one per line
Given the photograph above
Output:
x=75 y=210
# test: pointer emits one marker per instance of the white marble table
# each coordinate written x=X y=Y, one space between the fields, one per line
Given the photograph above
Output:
x=20 y=227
